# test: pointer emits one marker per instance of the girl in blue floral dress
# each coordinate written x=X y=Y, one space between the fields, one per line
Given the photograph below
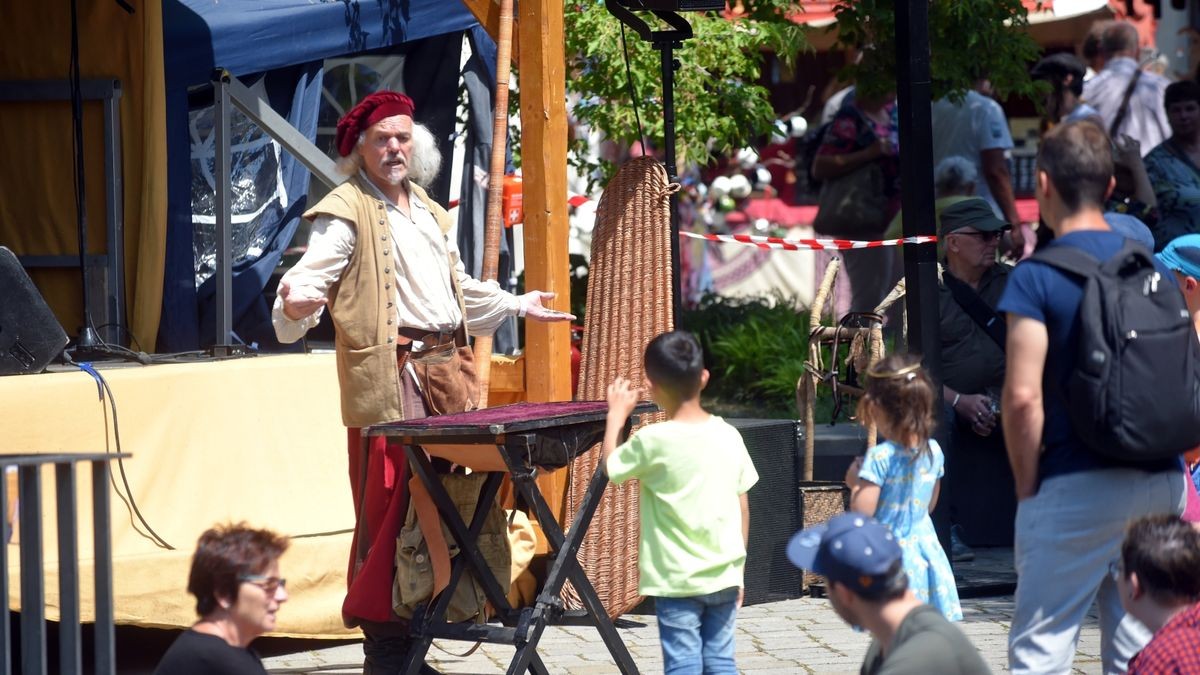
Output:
x=898 y=480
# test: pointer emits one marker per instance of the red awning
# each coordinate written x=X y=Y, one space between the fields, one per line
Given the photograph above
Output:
x=821 y=13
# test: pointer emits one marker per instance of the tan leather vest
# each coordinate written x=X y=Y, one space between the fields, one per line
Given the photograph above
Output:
x=360 y=303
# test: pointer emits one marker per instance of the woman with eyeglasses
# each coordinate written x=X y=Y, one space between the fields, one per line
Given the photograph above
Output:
x=235 y=578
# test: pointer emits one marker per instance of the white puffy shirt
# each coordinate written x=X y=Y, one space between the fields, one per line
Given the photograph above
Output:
x=424 y=296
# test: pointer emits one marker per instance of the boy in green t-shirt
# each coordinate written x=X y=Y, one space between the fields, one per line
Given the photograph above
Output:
x=694 y=472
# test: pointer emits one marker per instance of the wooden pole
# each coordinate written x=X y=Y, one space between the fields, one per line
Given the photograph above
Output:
x=544 y=173
x=808 y=384
x=493 y=225
x=542 y=61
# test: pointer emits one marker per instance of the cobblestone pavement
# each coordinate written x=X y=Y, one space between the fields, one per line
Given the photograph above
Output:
x=793 y=636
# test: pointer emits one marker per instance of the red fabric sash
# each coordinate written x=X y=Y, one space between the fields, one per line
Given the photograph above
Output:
x=380 y=502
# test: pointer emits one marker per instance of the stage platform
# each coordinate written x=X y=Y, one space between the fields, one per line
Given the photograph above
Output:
x=256 y=439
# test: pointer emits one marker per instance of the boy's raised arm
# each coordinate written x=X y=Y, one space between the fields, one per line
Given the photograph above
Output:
x=622 y=399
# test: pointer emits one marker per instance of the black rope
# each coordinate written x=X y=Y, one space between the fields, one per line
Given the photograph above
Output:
x=633 y=98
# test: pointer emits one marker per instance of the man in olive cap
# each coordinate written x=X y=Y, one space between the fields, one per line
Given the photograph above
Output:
x=380 y=260
x=979 y=487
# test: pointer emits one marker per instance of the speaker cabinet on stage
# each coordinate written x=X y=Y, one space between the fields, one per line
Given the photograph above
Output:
x=774 y=447
x=30 y=336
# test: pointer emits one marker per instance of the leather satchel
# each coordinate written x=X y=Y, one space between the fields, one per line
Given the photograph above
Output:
x=425 y=550
x=446 y=375
x=853 y=206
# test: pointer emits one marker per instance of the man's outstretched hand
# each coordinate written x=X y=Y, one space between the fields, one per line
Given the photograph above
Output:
x=532 y=307
x=298 y=304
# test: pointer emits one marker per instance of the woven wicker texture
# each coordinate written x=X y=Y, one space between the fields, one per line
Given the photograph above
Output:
x=820 y=501
x=628 y=304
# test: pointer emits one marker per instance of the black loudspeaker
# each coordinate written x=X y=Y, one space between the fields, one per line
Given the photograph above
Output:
x=774 y=447
x=30 y=336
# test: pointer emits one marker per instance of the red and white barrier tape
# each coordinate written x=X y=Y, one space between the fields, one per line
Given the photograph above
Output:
x=779 y=243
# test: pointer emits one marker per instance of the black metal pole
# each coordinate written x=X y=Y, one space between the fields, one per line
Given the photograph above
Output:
x=669 y=64
x=88 y=340
x=913 y=101
x=665 y=41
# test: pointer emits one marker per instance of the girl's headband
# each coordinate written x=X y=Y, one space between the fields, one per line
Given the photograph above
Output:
x=908 y=372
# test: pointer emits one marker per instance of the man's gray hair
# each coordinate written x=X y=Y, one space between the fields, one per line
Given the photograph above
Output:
x=423 y=165
x=953 y=176
x=1119 y=37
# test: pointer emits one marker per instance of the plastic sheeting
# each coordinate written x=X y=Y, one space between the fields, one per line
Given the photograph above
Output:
x=257 y=185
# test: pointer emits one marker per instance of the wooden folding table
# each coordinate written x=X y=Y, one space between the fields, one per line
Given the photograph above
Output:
x=526 y=437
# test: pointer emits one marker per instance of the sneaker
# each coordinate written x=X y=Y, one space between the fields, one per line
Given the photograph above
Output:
x=959 y=551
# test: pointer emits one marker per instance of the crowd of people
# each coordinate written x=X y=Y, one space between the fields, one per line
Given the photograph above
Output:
x=1089 y=526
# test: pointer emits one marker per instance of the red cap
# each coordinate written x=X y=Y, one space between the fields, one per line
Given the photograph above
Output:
x=377 y=106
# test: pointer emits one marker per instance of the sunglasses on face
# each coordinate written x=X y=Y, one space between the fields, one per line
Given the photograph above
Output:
x=983 y=236
x=268 y=584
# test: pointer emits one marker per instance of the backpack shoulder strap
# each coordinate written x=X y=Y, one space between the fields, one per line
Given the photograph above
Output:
x=1131 y=251
x=1068 y=259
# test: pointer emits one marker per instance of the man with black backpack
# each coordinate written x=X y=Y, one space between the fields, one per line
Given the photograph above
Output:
x=1100 y=398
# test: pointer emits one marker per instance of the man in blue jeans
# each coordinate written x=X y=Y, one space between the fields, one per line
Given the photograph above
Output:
x=694 y=473
x=1073 y=504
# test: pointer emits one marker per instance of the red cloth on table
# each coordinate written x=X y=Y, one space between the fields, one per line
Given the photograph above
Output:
x=1027 y=210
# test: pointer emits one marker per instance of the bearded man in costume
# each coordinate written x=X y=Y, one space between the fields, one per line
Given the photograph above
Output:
x=379 y=259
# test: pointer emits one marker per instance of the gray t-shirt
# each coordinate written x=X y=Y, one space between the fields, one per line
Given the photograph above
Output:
x=967 y=129
x=925 y=643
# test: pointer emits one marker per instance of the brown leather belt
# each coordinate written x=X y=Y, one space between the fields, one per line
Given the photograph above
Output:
x=428 y=339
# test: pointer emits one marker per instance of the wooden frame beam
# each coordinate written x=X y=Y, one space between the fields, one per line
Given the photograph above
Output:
x=544 y=173
x=487 y=13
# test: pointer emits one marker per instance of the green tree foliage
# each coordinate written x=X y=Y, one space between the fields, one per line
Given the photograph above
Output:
x=969 y=39
x=719 y=105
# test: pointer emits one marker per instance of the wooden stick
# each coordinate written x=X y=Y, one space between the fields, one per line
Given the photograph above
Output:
x=843 y=333
x=807 y=387
x=808 y=383
x=493 y=225
x=818 y=306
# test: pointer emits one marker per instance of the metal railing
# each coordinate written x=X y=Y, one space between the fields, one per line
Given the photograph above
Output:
x=34 y=659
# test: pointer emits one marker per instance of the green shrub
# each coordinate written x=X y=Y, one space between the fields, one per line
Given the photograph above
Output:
x=755 y=349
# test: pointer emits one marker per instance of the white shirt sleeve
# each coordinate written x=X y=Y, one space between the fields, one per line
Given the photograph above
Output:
x=329 y=247
x=993 y=128
x=486 y=303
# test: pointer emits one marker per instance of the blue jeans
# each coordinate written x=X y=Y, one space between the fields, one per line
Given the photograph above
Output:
x=697 y=633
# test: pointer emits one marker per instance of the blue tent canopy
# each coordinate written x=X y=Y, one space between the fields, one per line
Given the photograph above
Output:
x=285 y=40
x=253 y=36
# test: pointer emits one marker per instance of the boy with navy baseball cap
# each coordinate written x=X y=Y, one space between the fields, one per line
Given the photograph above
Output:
x=862 y=563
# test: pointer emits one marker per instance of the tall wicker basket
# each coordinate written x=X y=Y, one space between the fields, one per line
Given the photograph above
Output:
x=819 y=501
x=628 y=304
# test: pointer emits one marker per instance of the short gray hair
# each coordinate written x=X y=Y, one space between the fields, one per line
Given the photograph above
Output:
x=953 y=176
x=423 y=165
